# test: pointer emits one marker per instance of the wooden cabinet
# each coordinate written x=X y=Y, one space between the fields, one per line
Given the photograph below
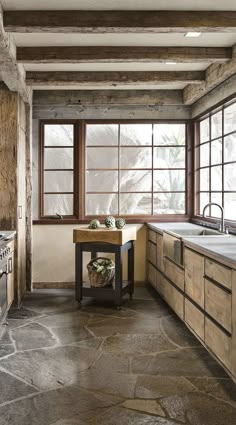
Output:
x=152 y=253
x=10 y=276
x=195 y=319
x=218 y=304
x=194 y=276
x=174 y=273
x=218 y=342
x=218 y=272
x=152 y=236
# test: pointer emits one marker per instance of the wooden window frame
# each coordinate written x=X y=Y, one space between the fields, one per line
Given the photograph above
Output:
x=197 y=166
x=79 y=216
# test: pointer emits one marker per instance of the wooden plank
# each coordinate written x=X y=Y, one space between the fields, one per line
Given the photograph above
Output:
x=107 y=97
x=119 y=21
x=61 y=78
x=12 y=73
x=107 y=54
x=116 y=237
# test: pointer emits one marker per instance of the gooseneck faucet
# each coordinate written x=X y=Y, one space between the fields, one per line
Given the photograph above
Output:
x=222 y=222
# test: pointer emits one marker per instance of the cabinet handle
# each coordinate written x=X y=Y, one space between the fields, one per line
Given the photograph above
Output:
x=20 y=212
x=10 y=265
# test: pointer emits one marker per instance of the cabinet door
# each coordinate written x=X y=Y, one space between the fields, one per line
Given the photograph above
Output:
x=159 y=258
x=194 y=318
x=219 y=273
x=10 y=280
x=218 y=342
x=152 y=253
x=194 y=272
x=174 y=273
x=218 y=304
x=173 y=297
x=152 y=275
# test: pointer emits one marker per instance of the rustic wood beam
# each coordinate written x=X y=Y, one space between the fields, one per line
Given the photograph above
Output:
x=77 y=98
x=119 y=21
x=12 y=74
x=215 y=74
x=106 y=54
x=70 y=78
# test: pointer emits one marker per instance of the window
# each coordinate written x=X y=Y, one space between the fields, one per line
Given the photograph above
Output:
x=57 y=166
x=132 y=169
x=216 y=157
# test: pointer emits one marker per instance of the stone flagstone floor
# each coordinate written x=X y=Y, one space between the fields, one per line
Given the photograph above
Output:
x=137 y=366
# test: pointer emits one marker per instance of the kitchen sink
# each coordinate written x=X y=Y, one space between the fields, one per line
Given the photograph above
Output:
x=195 y=232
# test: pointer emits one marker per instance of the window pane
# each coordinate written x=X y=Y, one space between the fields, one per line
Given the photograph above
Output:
x=204 y=155
x=59 y=135
x=102 y=204
x=217 y=198
x=169 y=134
x=138 y=203
x=101 y=181
x=216 y=125
x=102 y=158
x=230 y=206
x=169 y=157
x=169 y=180
x=204 y=131
x=136 y=158
x=216 y=178
x=58 y=181
x=230 y=148
x=59 y=158
x=58 y=204
x=135 y=181
x=230 y=118
x=216 y=152
x=136 y=134
x=169 y=203
x=204 y=179
x=230 y=177
x=204 y=199
x=101 y=134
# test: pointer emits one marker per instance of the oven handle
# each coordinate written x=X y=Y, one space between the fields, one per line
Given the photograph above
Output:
x=2 y=273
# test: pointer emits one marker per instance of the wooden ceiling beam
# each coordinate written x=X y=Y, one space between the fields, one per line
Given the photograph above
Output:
x=215 y=74
x=107 y=54
x=137 y=78
x=119 y=21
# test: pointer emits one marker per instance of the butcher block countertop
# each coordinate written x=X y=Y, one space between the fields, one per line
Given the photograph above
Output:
x=102 y=234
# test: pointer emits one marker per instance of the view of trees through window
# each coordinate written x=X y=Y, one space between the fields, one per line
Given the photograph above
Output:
x=135 y=169
x=217 y=161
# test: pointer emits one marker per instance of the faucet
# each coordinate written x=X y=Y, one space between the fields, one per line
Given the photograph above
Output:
x=222 y=222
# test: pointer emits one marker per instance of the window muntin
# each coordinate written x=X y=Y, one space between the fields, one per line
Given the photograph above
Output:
x=217 y=162
x=145 y=174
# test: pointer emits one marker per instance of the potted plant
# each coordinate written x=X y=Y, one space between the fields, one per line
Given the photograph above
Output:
x=101 y=271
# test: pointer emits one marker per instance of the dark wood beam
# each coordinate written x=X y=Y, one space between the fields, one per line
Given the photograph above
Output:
x=108 y=54
x=119 y=21
x=61 y=78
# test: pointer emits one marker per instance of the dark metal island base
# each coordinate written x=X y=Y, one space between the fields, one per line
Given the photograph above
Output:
x=108 y=241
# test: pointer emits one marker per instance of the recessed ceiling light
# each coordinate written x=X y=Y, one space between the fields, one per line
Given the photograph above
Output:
x=171 y=63
x=192 y=34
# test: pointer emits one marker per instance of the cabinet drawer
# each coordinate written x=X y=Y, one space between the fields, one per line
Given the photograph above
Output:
x=152 y=236
x=159 y=282
x=152 y=253
x=173 y=297
x=218 y=342
x=159 y=252
x=218 y=304
x=218 y=272
x=151 y=275
x=174 y=273
x=195 y=318
x=194 y=272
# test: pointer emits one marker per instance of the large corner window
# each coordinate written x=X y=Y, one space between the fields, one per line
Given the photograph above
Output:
x=57 y=170
x=216 y=162
x=135 y=169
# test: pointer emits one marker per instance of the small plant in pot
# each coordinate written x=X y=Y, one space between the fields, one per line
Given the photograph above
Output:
x=101 y=271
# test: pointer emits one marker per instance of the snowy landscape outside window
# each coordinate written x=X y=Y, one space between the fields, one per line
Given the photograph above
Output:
x=135 y=169
x=216 y=154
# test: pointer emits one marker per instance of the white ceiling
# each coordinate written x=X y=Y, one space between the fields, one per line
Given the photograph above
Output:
x=174 y=39
x=119 y=4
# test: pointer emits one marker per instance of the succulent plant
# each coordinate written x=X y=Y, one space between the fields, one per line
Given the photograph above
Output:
x=94 y=224
x=110 y=222
x=120 y=223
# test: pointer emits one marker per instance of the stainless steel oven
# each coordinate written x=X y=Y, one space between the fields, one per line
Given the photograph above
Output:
x=3 y=286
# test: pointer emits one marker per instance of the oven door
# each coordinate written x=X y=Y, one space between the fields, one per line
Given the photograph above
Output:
x=3 y=288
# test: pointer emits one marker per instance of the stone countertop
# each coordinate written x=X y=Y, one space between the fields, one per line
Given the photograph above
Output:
x=161 y=227
x=220 y=246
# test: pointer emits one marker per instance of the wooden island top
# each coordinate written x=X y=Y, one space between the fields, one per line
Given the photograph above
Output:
x=102 y=234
